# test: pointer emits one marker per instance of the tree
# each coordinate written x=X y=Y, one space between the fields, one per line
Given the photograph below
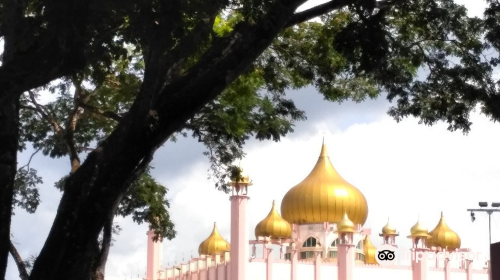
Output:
x=202 y=78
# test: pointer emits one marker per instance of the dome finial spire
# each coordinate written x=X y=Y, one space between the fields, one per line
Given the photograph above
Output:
x=324 y=151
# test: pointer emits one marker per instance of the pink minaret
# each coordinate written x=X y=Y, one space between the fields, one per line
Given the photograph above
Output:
x=154 y=257
x=419 y=236
x=345 y=251
x=239 y=230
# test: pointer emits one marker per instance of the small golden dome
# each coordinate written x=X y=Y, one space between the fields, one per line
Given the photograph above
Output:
x=323 y=196
x=388 y=229
x=418 y=230
x=214 y=244
x=273 y=226
x=442 y=236
x=369 y=250
x=244 y=179
x=345 y=225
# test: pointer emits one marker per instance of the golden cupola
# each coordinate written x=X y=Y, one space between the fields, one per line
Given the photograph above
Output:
x=345 y=225
x=323 y=196
x=442 y=236
x=273 y=226
x=418 y=230
x=388 y=229
x=369 y=251
x=214 y=244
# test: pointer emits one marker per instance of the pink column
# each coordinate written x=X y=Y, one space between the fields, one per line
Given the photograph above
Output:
x=239 y=237
x=294 y=260
x=419 y=264
x=264 y=250
x=447 y=269
x=317 y=266
x=269 y=263
x=154 y=258
x=345 y=261
x=469 y=269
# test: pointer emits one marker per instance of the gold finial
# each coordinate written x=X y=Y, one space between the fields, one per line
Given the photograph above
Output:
x=324 y=151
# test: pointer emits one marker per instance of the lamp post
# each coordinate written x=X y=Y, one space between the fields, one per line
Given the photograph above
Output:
x=489 y=211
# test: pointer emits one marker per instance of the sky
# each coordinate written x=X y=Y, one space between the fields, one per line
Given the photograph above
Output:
x=405 y=170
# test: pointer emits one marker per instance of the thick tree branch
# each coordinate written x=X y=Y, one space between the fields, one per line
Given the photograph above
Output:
x=12 y=25
x=21 y=267
x=71 y=126
x=317 y=11
x=189 y=45
x=100 y=266
x=60 y=53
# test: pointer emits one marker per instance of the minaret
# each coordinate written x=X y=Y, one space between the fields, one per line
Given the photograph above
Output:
x=419 y=237
x=345 y=251
x=239 y=230
x=154 y=257
x=389 y=234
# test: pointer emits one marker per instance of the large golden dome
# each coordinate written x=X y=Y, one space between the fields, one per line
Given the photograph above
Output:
x=323 y=196
x=442 y=236
x=273 y=226
x=214 y=244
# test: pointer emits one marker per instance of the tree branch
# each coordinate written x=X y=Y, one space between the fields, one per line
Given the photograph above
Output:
x=71 y=126
x=102 y=113
x=102 y=258
x=29 y=161
x=317 y=11
x=23 y=273
x=46 y=115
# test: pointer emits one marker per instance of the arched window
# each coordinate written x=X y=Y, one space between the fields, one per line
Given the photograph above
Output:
x=360 y=245
x=335 y=243
x=311 y=242
x=360 y=257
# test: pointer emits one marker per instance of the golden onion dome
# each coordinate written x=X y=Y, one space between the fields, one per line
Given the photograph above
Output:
x=388 y=229
x=345 y=225
x=214 y=244
x=442 y=236
x=369 y=251
x=273 y=226
x=244 y=179
x=323 y=196
x=418 y=230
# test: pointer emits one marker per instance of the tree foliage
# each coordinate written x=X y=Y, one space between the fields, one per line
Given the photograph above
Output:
x=129 y=75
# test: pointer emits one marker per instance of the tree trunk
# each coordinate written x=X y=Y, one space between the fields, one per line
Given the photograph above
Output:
x=94 y=191
x=9 y=120
x=100 y=266
x=23 y=273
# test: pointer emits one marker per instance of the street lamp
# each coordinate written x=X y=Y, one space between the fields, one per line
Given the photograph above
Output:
x=489 y=211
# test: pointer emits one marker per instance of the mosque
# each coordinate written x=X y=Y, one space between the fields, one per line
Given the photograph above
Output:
x=320 y=236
